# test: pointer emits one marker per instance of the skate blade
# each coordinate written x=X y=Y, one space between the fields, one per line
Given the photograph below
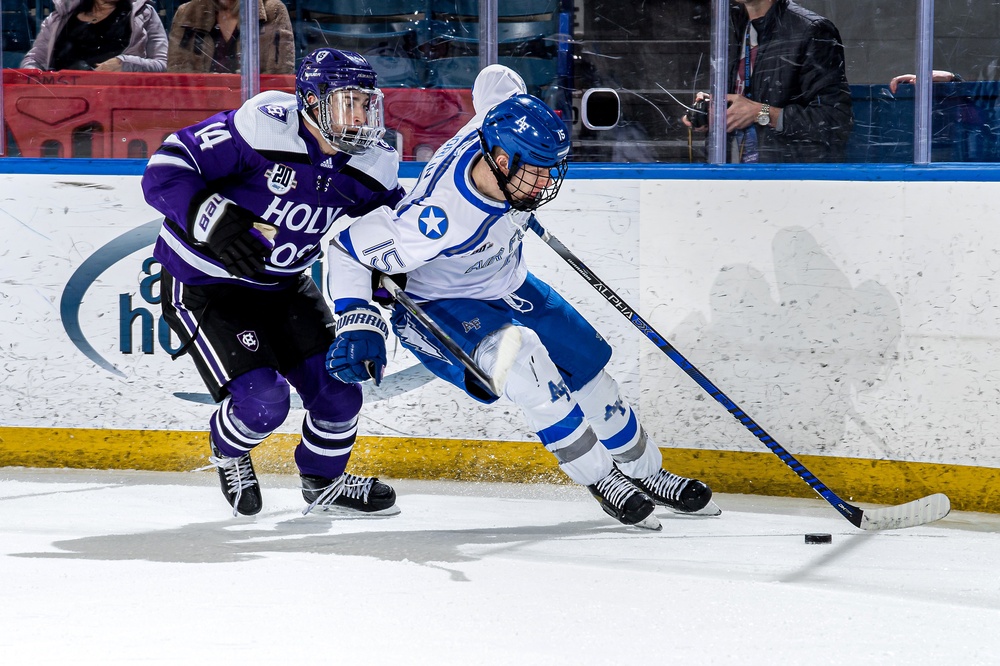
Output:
x=344 y=512
x=711 y=509
x=650 y=522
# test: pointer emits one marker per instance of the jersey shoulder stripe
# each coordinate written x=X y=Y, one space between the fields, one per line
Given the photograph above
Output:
x=417 y=196
x=269 y=123
x=380 y=164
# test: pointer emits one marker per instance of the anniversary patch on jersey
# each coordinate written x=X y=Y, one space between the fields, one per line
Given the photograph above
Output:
x=249 y=340
x=280 y=179
x=276 y=111
x=432 y=222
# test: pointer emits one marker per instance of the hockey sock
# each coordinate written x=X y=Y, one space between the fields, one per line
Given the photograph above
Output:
x=325 y=446
x=257 y=404
x=535 y=385
x=331 y=421
x=617 y=427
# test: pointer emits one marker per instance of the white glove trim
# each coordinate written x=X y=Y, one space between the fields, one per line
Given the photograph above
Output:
x=363 y=319
x=209 y=213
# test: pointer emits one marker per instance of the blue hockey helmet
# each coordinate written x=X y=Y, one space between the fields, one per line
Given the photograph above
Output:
x=536 y=143
x=338 y=94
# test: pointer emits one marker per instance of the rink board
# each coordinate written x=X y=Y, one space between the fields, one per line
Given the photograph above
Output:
x=854 y=320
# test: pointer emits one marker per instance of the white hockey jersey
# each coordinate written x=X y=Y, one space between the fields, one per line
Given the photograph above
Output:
x=450 y=240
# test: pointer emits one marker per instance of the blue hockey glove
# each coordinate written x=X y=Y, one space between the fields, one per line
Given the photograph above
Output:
x=233 y=234
x=359 y=350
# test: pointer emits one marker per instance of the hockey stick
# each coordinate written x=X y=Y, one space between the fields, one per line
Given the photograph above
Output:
x=507 y=346
x=918 y=512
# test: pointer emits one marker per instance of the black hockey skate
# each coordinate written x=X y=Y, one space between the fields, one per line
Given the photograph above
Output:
x=354 y=493
x=679 y=494
x=239 y=482
x=621 y=499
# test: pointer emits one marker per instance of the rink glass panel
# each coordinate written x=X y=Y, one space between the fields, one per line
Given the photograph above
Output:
x=427 y=53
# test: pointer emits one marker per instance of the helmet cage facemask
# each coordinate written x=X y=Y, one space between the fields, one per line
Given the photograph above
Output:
x=527 y=202
x=334 y=122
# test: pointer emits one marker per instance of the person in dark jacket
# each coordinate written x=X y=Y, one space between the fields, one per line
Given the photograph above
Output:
x=797 y=107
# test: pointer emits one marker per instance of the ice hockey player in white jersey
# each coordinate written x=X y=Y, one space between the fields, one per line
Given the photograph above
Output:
x=457 y=238
x=241 y=298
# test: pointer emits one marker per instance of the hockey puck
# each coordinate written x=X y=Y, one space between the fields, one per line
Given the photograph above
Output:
x=819 y=538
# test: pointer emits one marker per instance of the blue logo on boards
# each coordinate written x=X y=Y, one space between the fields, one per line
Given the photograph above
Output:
x=433 y=222
x=87 y=274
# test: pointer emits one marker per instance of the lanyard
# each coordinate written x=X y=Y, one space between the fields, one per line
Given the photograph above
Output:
x=746 y=66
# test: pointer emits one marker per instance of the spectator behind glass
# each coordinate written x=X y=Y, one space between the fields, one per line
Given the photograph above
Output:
x=937 y=76
x=205 y=37
x=104 y=35
x=797 y=107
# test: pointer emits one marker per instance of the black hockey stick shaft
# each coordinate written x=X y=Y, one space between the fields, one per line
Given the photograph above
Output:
x=435 y=329
x=849 y=511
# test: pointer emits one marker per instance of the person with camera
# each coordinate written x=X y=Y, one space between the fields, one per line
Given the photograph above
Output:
x=788 y=99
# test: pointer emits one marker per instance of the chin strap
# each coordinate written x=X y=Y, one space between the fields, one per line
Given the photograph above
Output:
x=502 y=180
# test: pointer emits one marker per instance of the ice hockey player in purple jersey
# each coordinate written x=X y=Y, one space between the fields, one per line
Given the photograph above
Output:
x=247 y=197
x=457 y=237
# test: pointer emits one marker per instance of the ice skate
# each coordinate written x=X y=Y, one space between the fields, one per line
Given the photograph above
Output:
x=349 y=493
x=239 y=482
x=620 y=498
x=679 y=494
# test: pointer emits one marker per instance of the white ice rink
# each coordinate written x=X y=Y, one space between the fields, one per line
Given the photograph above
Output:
x=136 y=568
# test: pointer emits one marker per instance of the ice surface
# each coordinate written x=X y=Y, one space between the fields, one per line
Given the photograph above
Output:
x=145 y=567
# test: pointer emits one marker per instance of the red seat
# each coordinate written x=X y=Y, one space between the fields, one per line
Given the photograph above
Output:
x=105 y=114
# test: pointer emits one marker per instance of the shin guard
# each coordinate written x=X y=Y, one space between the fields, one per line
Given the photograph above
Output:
x=257 y=404
x=617 y=427
x=535 y=385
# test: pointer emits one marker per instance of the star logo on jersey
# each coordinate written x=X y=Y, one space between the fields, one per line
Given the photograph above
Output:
x=275 y=111
x=249 y=340
x=280 y=179
x=433 y=222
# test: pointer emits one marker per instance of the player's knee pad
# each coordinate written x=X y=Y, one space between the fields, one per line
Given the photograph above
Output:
x=260 y=400
x=617 y=426
x=536 y=386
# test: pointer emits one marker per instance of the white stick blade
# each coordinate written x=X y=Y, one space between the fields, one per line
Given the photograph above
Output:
x=918 y=512
x=507 y=348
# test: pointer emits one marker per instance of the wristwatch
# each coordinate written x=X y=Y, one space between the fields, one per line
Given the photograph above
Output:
x=764 y=117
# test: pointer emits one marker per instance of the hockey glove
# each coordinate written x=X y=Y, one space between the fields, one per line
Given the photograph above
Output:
x=233 y=234
x=359 y=350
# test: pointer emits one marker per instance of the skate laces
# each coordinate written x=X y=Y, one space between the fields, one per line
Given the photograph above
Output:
x=329 y=494
x=238 y=472
x=616 y=488
x=666 y=484
x=346 y=485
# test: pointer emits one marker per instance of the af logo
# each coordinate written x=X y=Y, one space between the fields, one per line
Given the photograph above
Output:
x=522 y=124
x=280 y=179
x=433 y=223
x=469 y=325
x=249 y=340
x=275 y=111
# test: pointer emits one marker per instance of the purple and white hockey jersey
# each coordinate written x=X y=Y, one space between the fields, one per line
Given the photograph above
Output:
x=262 y=158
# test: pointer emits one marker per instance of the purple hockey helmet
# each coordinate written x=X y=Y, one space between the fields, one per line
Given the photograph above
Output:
x=338 y=94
